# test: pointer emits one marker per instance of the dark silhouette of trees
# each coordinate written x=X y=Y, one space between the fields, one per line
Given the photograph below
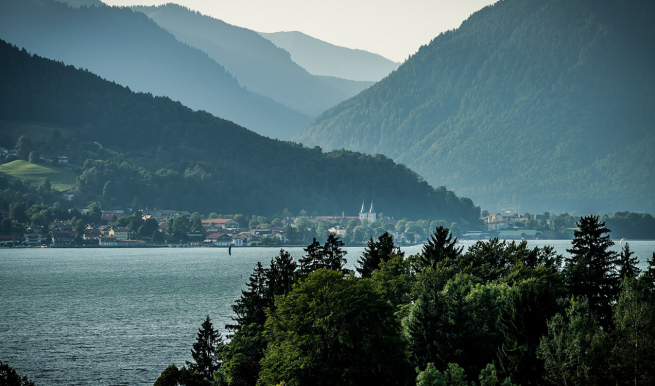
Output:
x=627 y=264
x=374 y=253
x=590 y=271
x=440 y=246
x=206 y=350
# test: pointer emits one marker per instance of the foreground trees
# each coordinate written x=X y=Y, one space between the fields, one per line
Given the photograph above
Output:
x=496 y=314
x=332 y=330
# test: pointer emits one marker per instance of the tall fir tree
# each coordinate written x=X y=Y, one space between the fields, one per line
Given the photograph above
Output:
x=374 y=253
x=206 y=350
x=251 y=307
x=327 y=256
x=627 y=264
x=591 y=269
x=440 y=246
x=333 y=253
x=281 y=274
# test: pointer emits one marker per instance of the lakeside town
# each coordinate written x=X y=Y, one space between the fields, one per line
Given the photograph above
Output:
x=93 y=227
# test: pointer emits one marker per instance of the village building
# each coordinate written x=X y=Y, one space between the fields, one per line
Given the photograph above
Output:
x=121 y=233
x=496 y=222
x=216 y=223
x=32 y=238
x=63 y=238
x=218 y=239
x=370 y=217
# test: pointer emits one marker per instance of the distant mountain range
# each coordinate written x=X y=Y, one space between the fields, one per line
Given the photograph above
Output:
x=546 y=104
x=256 y=63
x=322 y=58
x=166 y=155
x=127 y=47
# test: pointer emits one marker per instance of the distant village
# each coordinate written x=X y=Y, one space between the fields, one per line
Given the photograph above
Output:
x=227 y=231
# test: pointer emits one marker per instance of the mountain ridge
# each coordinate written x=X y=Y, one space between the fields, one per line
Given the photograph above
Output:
x=127 y=47
x=530 y=103
x=258 y=64
x=322 y=58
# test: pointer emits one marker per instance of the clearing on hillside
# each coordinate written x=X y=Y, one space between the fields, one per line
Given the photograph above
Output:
x=60 y=178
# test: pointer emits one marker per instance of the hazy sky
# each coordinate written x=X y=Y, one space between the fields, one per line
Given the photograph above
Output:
x=392 y=28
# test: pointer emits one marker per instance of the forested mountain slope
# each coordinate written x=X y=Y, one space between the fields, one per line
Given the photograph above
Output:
x=126 y=47
x=322 y=58
x=169 y=156
x=257 y=63
x=546 y=104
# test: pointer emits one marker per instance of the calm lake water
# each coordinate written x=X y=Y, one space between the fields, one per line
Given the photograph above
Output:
x=120 y=316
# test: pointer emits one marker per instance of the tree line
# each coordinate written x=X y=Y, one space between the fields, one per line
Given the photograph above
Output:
x=497 y=314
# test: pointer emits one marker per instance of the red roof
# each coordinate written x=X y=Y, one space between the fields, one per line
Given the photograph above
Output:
x=217 y=236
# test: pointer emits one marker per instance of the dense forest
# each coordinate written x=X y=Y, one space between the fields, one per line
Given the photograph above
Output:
x=172 y=157
x=127 y=47
x=546 y=104
x=498 y=314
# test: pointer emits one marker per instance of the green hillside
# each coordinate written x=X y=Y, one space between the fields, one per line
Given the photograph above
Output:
x=542 y=104
x=165 y=155
x=60 y=178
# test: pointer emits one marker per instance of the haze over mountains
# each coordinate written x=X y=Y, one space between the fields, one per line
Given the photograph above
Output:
x=546 y=104
x=257 y=63
x=322 y=58
x=126 y=47
x=170 y=156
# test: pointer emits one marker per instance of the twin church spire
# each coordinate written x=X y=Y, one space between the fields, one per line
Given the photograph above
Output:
x=371 y=216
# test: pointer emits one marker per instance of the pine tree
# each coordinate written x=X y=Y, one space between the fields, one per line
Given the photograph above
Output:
x=333 y=253
x=650 y=270
x=327 y=256
x=313 y=259
x=206 y=350
x=440 y=246
x=251 y=307
x=590 y=271
x=627 y=264
x=281 y=274
x=374 y=253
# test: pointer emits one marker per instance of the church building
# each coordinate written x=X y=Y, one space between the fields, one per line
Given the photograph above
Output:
x=370 y=216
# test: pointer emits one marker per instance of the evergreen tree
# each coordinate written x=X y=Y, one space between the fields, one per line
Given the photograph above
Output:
x=590 y=271
x=374 y=253
x=312 y=260
x=327 y=256
x=206 y=350
x=251 y=307
x=333 y=253
x=627 y=264
x=440 y=246
x=281 y=274
x=650 y=269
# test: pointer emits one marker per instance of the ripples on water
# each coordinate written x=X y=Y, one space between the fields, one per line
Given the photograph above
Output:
x=120 y=316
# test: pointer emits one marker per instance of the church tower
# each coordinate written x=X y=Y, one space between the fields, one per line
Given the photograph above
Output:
x=372 y=217
x=362 y=214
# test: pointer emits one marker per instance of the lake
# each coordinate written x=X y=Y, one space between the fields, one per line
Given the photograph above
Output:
x=120 y=316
